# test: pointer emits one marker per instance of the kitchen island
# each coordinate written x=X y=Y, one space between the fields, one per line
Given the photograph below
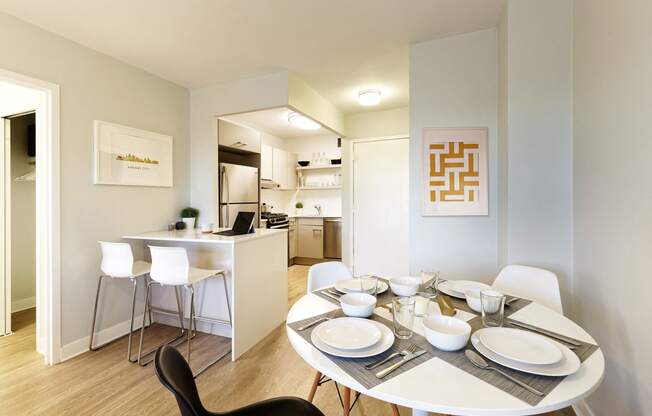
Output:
x=257 y=281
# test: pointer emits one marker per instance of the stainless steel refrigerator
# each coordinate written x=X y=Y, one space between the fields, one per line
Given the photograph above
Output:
x=238 y=191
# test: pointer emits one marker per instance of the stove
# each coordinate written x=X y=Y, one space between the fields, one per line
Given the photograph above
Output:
x=275 y=219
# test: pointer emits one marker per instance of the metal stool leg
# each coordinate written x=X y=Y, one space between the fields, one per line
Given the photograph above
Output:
x=131 y=325
x=182 y=330
x=97 y=297
x=192 y=317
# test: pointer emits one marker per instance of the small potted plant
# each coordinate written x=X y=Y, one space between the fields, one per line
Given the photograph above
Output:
x=299 y=207
x=189 y=216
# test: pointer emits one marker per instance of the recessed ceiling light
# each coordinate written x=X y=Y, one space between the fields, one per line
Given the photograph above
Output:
x=302 y=122
x=369 y=97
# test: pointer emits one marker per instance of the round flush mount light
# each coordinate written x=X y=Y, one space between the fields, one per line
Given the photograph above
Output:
x=302 y=122
x=369 y=97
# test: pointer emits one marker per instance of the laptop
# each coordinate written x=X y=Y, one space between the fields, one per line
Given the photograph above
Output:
x=244 y=224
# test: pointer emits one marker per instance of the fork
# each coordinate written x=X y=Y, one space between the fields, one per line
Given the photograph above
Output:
x=412 y=348
x=315 y=322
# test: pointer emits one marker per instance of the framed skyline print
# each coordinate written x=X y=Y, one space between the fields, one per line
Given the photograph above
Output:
x=455 y=172
x=133 y=157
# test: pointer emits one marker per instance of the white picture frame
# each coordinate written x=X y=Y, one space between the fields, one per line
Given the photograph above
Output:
x=131 y=157
x=455 y=175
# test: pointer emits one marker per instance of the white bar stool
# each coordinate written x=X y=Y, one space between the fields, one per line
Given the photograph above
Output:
x=118 y=263
x=170 y=267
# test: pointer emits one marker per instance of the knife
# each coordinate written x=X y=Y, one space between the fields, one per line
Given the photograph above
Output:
x=331 y=296
x=383 y=373
x=546 y=333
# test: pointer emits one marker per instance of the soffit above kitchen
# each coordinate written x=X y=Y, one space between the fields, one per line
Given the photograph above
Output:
x=336 y=46
x=275 y=122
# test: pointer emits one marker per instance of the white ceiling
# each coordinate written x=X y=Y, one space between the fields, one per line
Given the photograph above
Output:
x=15 y=99
x=275 y=122
x=337 y=46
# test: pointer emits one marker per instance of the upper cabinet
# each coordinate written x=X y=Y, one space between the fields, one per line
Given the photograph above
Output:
x=266 y=162
x=238 y=137
x=278 y=166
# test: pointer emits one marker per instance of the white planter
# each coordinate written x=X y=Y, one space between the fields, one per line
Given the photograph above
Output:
x=190 y=222
x=299 y=211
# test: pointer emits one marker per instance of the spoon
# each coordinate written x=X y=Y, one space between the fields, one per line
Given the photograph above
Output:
x=480 y=362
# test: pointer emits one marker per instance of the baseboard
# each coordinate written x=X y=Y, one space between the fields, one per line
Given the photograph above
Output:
x=222 y=330
x=22 y=304
x=582 y=409
x=80 y=346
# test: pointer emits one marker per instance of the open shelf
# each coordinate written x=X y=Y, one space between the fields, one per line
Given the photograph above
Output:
x=306 y=188
x=318 y=167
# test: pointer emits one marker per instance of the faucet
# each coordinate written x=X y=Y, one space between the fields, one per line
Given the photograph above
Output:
x=318 y=208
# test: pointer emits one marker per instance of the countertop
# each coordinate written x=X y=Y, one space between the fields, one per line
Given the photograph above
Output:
x=314 y=216
x=196 y=236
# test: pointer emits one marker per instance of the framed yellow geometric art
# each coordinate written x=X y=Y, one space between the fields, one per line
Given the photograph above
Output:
x=455 y=171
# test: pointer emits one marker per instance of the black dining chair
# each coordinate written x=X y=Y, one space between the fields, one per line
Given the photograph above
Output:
x=175 y=374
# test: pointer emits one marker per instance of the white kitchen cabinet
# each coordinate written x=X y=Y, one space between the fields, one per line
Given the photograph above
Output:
x=266 y=162
x=291 y=170
x=311 y=238
x=292 y=238
x=279 y=164
x=238 y=137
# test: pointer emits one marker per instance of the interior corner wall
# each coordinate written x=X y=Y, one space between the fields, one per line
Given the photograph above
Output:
x=454 y=83
x=94 y=86
x=539 y=137
x=612 y=197
x=268 y=91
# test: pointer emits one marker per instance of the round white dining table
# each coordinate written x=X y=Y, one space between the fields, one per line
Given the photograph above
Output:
x=436 y=386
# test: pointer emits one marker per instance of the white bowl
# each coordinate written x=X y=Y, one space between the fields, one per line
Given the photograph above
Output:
x=446 y=332
x=473 y=299
x=405 y=286
x=359 y=305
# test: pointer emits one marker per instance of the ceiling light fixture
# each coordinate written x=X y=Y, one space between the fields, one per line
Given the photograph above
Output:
x=302 y=122
x=369 y=97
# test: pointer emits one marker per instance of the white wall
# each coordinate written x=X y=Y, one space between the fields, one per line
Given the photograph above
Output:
x=206 y=103
x=612 y=198
x=373 y=124
x=454 y=83
x=95 y=86
x=539 y=77
x=23 y=219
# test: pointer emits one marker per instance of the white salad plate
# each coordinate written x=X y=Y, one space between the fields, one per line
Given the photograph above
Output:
x=348 y=333
x=385 y=342
x=457 y=288
x=518 y=345
x=353 y=285
x=569 y=364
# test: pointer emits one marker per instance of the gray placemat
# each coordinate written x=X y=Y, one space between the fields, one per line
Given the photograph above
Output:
x=355 y=366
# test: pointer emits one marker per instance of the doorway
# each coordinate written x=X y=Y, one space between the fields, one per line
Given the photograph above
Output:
x=19 y=94
x=381 y=207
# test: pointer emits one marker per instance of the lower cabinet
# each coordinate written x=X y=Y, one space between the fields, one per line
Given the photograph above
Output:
x=292 y=238
x=311 y=238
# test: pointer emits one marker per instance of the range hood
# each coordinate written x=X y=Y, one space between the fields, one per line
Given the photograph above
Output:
x=268 y=184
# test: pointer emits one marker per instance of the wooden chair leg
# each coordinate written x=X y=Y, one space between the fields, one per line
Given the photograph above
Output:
x=315 y=384
x=395 y=411
x=346 y=401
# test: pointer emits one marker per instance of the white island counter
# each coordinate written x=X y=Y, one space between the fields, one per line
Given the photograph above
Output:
x=256 y=269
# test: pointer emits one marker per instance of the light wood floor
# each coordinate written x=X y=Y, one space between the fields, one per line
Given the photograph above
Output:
x=104 y=383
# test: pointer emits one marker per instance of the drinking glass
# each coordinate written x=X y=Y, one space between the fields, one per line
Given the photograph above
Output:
x=403 y=314
x=368 y=284
x=424 y=304
x=493 y=308
x=433 y=278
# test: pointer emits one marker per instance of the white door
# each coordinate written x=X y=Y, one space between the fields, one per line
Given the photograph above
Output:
x=5 y=283
x=381 y=207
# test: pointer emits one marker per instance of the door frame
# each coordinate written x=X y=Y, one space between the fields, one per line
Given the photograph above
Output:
x=348 y=162
x=48 y=231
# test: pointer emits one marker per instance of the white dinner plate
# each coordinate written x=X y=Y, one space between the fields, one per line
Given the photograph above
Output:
x=456 y=288
x=568 y=365
x=353 y=285
x=519 y=345
x=386 y=341
x=348 y=333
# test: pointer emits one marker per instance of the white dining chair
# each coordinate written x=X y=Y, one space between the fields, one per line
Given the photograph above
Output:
x=538 y=285
x=323 y=275
x=118 y=263
x=170 y=267
x=327 y=274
